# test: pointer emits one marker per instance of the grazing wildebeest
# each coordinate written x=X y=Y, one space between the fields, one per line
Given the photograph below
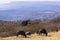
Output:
x=21 y=33
x=43 y=31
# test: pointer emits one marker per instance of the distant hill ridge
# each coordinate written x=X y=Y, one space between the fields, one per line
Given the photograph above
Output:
x=29 y=10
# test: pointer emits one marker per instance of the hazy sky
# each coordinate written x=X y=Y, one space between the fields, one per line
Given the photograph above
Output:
x=7 y=1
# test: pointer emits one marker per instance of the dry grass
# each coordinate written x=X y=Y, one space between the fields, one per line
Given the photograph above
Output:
x=51 y=36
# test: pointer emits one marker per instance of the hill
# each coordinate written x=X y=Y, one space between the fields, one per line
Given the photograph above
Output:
x=29 y=10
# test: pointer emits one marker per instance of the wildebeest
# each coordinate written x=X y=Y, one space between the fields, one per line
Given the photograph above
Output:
x=43 y=31
x=21 y=33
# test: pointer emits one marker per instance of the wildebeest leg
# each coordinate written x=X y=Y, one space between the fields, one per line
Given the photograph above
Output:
x=17 y=35
x=46 y=34
x=25 y=35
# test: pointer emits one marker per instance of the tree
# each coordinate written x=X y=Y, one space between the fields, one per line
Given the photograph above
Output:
x=25 y=22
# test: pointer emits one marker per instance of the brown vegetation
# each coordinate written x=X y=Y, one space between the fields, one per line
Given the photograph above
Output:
x=8 y=28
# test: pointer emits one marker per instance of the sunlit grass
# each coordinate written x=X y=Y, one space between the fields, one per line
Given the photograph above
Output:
x=51 y=36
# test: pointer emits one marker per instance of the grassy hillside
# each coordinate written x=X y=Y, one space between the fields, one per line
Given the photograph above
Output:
x=10 y=28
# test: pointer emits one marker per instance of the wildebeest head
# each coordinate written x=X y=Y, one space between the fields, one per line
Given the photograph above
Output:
x=28 y=33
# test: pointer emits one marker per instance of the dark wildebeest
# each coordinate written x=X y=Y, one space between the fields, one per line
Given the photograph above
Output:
x=43 y=31
x=21 y=33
